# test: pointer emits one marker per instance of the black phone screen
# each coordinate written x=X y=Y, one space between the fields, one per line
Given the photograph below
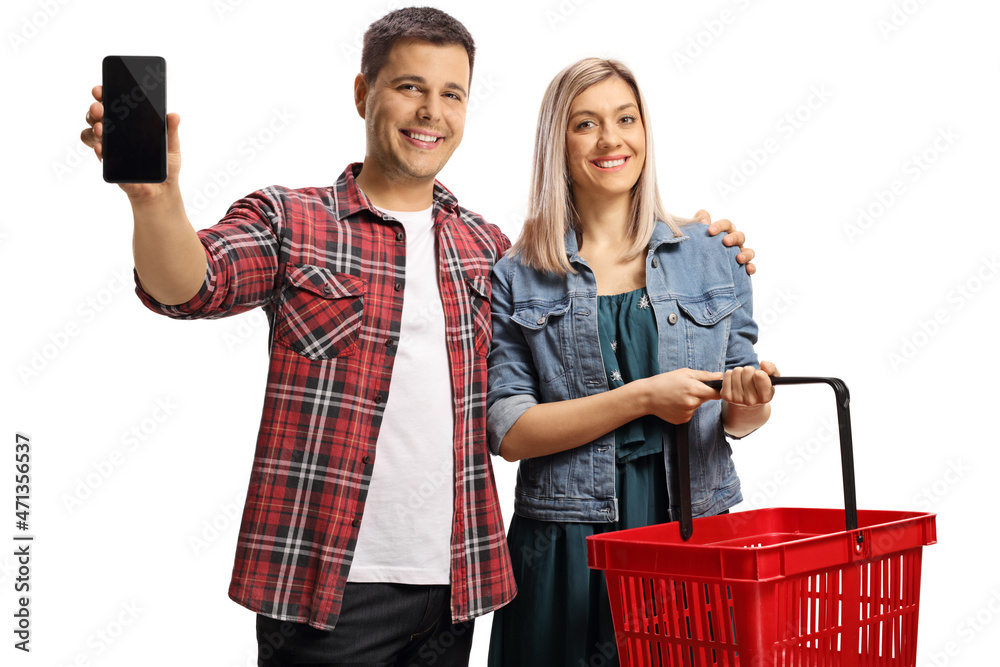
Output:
x=135 y=119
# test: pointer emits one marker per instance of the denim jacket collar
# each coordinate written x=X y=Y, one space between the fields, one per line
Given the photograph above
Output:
x=663 y=234
x=572 y=247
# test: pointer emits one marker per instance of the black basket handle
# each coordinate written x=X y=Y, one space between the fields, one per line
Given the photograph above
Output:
x=846 y=451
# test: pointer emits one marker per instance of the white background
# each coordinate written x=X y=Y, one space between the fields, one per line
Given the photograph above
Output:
x=143 y=428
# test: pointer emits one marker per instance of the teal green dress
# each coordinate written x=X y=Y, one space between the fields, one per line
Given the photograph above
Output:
x=561 y=614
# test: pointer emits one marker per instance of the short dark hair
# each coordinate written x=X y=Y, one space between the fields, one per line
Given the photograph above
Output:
x=424 y=23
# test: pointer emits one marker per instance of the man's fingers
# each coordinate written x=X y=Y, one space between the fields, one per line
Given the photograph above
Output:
x=724 y=225
x=173 y=137
x=703 y=216
x=735 y=238
x=744 y=257
x=92 y=139
x=92 y=135
x=95 y=113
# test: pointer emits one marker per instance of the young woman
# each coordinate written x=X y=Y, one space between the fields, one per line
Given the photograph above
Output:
x=608 y=314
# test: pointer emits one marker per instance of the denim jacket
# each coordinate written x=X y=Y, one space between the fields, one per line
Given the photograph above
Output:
x=546 y=348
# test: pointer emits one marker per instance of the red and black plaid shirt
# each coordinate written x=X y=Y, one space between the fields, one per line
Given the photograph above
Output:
x=329 y=272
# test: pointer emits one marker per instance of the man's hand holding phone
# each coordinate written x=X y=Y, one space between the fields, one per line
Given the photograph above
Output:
x=169 y=257
x=93 y=136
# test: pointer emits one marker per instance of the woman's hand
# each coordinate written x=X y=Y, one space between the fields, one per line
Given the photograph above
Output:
x=747 y=393
x=747 y=386
x=674 y=396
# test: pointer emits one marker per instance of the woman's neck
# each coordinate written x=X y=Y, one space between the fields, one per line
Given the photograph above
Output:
x=603 y=224
x=604 y=238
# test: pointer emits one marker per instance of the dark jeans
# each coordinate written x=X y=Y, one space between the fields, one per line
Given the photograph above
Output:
x=380 y=625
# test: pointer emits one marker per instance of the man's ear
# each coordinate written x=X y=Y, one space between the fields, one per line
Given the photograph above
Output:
x=360 y=94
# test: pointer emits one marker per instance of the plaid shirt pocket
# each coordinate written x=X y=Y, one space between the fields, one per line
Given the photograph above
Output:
x=320 y=313
x=479 y=289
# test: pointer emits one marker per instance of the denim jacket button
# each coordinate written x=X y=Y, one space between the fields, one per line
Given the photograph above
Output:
x=655 y=262
x=540 y=320
x=672 y=318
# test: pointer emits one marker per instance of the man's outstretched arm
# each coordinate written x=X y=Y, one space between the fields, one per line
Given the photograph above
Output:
x=169 y=257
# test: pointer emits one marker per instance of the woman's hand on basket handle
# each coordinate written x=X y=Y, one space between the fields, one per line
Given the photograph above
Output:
x=674 y=396
x=747 y=393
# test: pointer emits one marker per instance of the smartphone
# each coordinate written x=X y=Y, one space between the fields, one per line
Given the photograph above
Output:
x=135 y=119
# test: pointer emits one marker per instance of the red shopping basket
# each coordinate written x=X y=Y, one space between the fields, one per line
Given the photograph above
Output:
x=773 y=587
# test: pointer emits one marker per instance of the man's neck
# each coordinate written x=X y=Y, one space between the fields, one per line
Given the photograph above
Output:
x=395 y=194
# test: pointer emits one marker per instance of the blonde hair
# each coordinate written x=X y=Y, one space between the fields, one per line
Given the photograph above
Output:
x=551 y=213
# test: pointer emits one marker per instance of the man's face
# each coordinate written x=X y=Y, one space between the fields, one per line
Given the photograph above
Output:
x=415 y=110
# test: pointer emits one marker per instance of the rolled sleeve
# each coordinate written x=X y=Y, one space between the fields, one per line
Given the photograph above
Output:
x=501 y=416
x=511 y=377
x=242 y=253
x=179 y=311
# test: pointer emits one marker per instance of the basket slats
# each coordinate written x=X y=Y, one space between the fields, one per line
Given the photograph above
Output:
x=861 y=612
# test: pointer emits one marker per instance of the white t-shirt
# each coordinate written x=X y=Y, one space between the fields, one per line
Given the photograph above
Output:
x=405 y=534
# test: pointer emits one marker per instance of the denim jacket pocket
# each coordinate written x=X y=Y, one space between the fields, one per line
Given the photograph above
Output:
x=708 y=328
x=545 y=328
x=709 y=309
x=320 y=312
x=482 y=323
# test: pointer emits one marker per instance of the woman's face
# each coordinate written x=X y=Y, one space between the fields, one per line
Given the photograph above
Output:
x=605 y=140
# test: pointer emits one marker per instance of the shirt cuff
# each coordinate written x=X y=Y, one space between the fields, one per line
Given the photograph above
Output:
x=501 y=416
x=196 y=302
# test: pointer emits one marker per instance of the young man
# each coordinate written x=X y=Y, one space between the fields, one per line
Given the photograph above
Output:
x=377 y=291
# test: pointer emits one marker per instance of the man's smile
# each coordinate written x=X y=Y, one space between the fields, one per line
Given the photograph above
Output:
x=422 y=138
